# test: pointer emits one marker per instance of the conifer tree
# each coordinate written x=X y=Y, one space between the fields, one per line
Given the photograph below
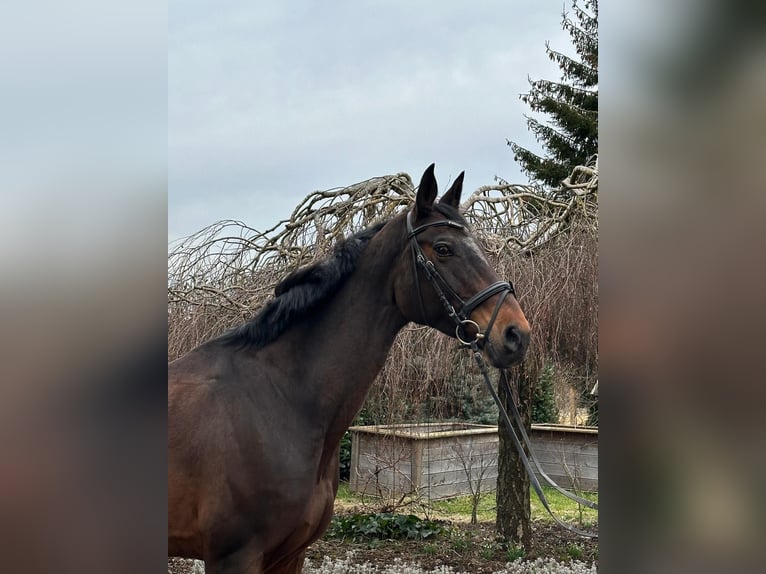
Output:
x=570 y=136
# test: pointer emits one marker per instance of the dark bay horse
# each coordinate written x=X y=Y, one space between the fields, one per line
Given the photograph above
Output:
x=255 y=416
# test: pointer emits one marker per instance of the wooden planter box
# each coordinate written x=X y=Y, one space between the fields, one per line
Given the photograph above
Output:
x=569 y=455
x=437 y=460
x=433 y=459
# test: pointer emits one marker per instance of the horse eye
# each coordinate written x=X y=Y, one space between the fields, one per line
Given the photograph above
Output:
x=442 y=250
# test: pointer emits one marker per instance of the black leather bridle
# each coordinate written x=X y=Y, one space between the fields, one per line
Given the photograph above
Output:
x=440 y=285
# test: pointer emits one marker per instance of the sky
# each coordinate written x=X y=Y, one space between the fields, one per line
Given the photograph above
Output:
x=271 y=100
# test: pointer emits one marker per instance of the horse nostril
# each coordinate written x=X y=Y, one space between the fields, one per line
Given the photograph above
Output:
x=513 y=337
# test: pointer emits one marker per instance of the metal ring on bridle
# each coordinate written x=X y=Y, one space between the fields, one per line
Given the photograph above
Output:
x=459 y=330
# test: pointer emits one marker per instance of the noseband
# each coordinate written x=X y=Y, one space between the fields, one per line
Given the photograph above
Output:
x=441 y=286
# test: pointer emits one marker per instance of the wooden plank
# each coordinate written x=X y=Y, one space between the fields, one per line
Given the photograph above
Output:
x=559 y=447
x=448 y=451
x=447 y=479
x=573 y=445
x=458 y=465
x=558 y=470
x=568 y=459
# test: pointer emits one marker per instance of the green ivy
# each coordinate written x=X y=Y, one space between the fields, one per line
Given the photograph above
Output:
x=382 y=526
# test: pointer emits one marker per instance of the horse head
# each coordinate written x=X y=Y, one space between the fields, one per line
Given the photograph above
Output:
x=445 y=281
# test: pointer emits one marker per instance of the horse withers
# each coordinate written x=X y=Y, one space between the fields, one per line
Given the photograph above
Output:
x=256 y=415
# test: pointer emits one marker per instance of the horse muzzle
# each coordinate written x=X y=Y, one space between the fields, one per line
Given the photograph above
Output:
x=507 y=347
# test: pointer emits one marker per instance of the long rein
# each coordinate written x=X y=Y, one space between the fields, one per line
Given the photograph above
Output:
x=461 y=320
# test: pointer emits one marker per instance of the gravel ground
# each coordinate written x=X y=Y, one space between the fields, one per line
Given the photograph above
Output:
x=350 y=565
x=467 y=549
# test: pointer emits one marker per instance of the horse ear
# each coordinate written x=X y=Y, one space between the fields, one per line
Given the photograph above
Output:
x=452 y=197
x=426 y=193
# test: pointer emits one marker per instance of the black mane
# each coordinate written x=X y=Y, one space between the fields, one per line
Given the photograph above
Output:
x=301 y=292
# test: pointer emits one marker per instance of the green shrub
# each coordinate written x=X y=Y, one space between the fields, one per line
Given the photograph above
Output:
x=383 y=526
x=544 y=408
x=479 y=409
x=462 y=542
x=514 y=553
x=345 y=456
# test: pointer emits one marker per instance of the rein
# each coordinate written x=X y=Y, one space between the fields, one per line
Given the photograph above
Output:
x=461 y=320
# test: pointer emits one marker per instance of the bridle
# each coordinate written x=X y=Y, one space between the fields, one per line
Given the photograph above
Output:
x=440 y=285
x=461 y=319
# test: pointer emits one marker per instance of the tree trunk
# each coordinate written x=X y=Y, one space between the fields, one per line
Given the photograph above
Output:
x=513 y=509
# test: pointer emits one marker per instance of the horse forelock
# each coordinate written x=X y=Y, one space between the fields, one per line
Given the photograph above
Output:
x=301 y=292
x=450 y=213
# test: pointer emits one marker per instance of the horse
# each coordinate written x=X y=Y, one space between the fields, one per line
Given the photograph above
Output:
x=256 y=415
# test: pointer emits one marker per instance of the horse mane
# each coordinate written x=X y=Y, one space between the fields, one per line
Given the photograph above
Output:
x=301 y=292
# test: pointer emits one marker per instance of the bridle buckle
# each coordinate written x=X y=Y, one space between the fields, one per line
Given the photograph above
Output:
x=460 y=333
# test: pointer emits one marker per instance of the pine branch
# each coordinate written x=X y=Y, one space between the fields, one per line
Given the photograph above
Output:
x=569 y=133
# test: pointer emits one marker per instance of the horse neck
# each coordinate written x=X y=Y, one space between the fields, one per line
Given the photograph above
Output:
x=348 y=340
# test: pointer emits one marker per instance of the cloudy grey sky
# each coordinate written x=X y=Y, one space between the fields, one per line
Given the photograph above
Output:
x=270 y=100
